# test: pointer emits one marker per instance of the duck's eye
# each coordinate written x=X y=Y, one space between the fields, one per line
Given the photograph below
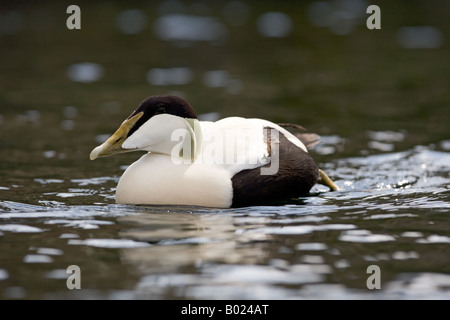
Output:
x=160 y=110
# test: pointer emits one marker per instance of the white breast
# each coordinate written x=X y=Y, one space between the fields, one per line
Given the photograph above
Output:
x=155 y=179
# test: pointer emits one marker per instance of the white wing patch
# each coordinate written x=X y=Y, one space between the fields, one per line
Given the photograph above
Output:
x=238 y=144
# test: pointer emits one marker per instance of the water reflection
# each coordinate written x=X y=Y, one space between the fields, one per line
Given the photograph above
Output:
x=363 y=236
x=170 y=76
x=181 y=29
x=222 y=79
x=32 y=117
x=85 y=72
x=19 y=228
x=274 y=24
x=236 y=13
x=11 y=22
x=384 y=140
x=131 y=21
x=181 y=240
x=340 y=16
x=427 y=37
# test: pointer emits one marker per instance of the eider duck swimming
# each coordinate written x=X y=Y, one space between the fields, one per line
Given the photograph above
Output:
x=232 y=162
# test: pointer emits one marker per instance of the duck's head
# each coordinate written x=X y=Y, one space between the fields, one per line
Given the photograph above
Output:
x=157 y=125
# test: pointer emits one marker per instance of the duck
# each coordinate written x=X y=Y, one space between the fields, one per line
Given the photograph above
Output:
x=229 y=163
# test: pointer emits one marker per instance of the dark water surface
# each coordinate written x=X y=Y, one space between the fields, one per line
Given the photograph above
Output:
x=378 y=98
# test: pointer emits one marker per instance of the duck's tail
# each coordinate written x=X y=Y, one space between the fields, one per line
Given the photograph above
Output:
x=308 y=139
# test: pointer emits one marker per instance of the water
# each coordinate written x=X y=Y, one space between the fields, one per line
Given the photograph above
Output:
x=382 y=112
x=319 y=247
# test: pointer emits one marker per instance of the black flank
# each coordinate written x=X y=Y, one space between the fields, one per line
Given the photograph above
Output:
x=296 y=175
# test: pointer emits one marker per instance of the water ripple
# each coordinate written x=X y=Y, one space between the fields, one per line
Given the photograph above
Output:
x=392 y=212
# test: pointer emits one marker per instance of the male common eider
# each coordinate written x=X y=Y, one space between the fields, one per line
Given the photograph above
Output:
x=233 y=162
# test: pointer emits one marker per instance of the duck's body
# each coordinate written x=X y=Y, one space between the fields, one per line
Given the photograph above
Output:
x=229 y=163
